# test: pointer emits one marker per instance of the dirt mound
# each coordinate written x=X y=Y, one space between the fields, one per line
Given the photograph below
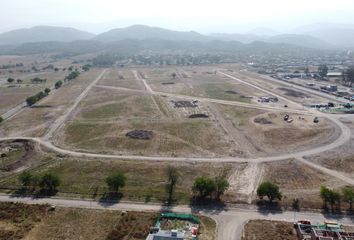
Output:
x=231 y=92
x=140 y=134
x=184 y=104
x=15 y=154
x=198 y=115
x=262 y=121
x=293 y=93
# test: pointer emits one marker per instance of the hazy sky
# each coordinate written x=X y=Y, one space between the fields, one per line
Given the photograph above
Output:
x=200 y=15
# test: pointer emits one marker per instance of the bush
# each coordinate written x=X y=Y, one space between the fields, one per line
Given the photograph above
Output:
x=49 y=182
x=204 y=186
x=269 y=190
x=58 y=84
x=116 y=181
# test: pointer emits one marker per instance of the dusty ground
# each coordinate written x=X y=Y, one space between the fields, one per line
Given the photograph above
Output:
x=299 y=181
x=21 y=221
x=35 y=121
x=145 y=180
x=105 y=116
x=268 y=230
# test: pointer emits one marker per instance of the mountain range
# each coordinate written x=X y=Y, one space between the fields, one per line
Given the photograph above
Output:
x=320 y=36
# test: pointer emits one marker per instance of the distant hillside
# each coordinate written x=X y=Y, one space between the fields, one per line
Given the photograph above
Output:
x=244 y=38
x=141 y=32
x=43 y=34
x=340 y=35
x=300 y=40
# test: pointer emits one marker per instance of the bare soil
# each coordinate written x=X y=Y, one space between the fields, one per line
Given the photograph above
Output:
x=269 y=230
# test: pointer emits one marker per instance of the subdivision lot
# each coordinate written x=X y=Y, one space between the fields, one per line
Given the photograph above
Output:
x=104 y=118
x=299 y=181
x=145 y=180
x=121 y=78
x=21 y=221
x=267 y=132
x=35 y=121
x=277 y=87
x=269 y=230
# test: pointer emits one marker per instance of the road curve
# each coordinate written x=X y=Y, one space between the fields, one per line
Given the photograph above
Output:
x=343 y=138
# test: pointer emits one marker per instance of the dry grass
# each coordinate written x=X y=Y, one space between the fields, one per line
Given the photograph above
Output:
x=17 y=219
x=145 y=180
x=268 y=230
x=296 y=180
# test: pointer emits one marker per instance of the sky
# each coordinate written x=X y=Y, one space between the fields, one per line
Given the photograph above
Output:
x=205 y=16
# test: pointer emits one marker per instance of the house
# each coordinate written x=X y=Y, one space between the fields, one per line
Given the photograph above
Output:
x=166 y=235
x=334 y=74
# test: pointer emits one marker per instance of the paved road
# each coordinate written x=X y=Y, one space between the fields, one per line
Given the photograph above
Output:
x=230 y=221
x=62 y=118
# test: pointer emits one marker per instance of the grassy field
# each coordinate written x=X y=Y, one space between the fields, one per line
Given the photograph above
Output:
x=299 y=181
x=35 y=121
x=170 y=137
x=145 y=180
x=32 y=222
x=268 y=230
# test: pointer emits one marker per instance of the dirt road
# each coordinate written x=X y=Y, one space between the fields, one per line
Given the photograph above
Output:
x=63 y=118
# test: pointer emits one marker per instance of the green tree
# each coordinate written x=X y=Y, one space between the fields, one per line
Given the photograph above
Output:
x=329 y=196
x=204 y=186
x=323 y=70
x=269 y=190
x=172 y=180
x=31 y=100
x=1 y=119
x=58 y=84
x=25 y=179
x=348 y=196
x=49 y=182
x=86 y=67
x=10 y=80
x=47 y=91
x=115 y=181
x=221 y=185
x=174 y=75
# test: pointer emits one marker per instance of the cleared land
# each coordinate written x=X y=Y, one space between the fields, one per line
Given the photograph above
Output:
x=269 y=230
x=21 y=221
x=35 y=121
x=296 y=180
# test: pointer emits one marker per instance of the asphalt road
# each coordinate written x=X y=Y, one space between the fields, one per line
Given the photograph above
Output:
x=230 y=221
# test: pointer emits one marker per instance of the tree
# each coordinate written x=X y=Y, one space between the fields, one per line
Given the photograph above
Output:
x=10 y=80
x=58 y=84
x=348 y=196
x=329 y=196
x=31 y=100
x=221 y=185
x=204 y=186
x=116 y=181
x=47 y=91
x=172 y=180
x=174 y=75
x=86 y=67
x=270 y=190
x=25 y=179
x=49 y=182
x=1 y=119
x=323 y=70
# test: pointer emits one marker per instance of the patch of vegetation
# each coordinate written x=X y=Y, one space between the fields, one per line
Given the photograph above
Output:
x=19 y=219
